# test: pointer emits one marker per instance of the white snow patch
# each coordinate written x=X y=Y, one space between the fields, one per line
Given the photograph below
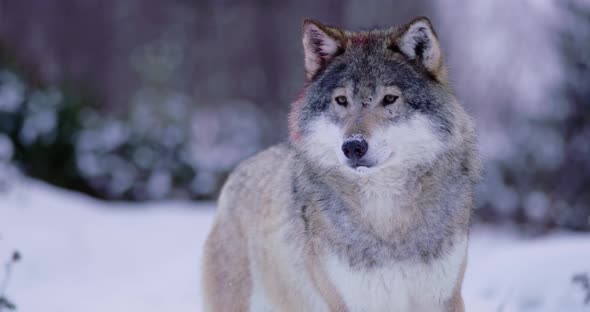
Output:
x=511 y=274
x=81 y=254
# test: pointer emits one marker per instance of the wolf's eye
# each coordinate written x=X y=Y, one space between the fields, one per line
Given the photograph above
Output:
x=389 y=99
x=341 y=100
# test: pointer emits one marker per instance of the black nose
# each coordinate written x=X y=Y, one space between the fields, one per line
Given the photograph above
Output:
x=355 y=149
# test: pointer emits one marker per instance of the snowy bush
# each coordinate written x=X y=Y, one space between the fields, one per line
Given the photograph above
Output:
x=162 y=147
x=136 y=157
x=11 y=98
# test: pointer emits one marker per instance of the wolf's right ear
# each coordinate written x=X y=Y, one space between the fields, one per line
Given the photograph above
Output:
x=320 y=45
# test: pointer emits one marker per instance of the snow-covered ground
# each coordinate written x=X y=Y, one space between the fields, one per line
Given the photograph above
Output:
x=80 y=254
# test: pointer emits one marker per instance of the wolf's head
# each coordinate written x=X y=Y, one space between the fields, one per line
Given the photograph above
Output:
x=374 y=99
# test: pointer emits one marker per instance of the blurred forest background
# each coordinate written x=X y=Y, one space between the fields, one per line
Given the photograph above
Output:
x=147 y=100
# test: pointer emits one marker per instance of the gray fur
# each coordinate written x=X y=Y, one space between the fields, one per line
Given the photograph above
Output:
x=444 y=212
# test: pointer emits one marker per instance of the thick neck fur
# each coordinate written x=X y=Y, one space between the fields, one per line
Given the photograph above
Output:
x=394 y=214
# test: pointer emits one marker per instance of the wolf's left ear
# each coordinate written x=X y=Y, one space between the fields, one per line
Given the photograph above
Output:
x=320 y=45
x=418 y=41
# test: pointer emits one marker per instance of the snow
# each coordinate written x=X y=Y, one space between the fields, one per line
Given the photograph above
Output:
x=509 y=273
x=80 y=254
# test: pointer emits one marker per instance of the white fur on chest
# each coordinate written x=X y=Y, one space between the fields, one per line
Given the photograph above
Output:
x=400 y=286
x=383 y=197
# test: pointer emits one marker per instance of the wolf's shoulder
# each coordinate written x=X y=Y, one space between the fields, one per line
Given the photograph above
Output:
x=267 y=160
x=262 y=168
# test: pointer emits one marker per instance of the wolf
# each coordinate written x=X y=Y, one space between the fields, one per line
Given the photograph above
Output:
x=367 y=206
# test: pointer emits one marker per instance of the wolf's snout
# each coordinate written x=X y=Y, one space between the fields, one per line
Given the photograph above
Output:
x=355 y=149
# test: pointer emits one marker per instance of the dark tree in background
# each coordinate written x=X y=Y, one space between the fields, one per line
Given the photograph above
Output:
x=550 y=171
x=571 y=182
